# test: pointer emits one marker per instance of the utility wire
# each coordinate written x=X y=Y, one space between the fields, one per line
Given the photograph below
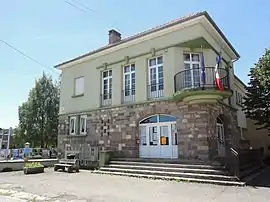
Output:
x=27 y=56
x=71 y=4
x=82 y=4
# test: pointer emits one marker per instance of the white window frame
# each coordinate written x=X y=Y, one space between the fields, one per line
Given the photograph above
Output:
x=78 y=92
x=156 y=66
x=109 y=79
x=190 y=63
x=74 y=118
x=85 y=124
x=239 y=98
x=129 y=74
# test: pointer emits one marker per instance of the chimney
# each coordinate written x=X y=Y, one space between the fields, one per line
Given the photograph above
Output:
x=114 y=36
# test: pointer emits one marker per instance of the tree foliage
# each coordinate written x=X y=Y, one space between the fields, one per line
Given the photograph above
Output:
x=257 y=100
x=38 y=116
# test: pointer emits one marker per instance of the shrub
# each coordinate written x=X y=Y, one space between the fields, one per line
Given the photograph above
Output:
x=33 y=165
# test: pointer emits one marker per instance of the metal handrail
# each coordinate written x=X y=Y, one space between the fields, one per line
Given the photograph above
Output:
x=192 y=79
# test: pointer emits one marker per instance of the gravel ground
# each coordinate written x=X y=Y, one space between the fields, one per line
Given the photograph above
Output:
x=85 y=186
x=9 y=199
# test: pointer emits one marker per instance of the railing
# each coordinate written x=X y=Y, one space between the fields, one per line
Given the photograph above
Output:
x=106 y=99
x=155 y=91
x=248 y=156
x=236 y=161
x=192 y=79
x=128 y=95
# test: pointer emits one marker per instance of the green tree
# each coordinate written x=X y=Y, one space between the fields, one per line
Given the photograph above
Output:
x=38 y=116
x=17 y=139
x=257 y=99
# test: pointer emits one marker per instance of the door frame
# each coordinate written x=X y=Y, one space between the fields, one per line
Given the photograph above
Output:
x=221 y=147
x=158 y=151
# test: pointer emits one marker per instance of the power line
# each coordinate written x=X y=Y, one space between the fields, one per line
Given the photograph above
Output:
x=82 y=4
x=71 y=4
x=27 y=56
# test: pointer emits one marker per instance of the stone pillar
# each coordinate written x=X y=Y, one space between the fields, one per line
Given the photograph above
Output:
x=192 y=133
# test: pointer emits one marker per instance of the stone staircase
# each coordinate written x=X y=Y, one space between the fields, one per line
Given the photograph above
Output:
x=191 y=171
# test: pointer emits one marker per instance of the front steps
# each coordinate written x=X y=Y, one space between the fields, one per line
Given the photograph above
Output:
x=191 y=171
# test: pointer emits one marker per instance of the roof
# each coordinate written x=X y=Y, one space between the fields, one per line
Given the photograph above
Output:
x=240 y=81
x=155 y=29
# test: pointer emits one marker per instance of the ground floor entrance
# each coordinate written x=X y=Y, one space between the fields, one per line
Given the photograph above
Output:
x=220 y=136
x=158 y=137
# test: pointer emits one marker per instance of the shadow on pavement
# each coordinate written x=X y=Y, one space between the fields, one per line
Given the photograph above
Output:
x=262 y=180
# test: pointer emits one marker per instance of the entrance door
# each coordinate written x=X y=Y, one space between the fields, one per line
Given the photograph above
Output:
x=159 y=139
x=143 y=141
x=154 y=141
x=167 y=143
x=220 y=139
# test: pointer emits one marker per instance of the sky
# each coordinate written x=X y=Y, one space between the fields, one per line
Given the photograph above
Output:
x=53 y=31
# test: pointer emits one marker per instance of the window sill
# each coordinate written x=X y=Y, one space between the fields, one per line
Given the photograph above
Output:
x=74 y=96
x=78 y=135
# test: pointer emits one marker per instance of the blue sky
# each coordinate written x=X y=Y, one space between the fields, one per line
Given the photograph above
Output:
x=53 y=31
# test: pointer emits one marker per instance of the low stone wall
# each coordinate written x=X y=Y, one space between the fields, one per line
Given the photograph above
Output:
x=15 y=165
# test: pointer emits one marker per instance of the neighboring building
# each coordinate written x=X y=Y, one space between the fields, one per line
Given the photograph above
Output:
x=239 y=93
x=142 y=96
x=258 y=139
x=5 y=138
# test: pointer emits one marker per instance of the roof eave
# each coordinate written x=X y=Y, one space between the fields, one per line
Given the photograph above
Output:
x=222 y=35
x=240 y=81
x=204 y=13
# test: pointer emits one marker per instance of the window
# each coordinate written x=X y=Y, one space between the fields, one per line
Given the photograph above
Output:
x=239 y=98
x=156 y=77
x=129 y=82
x=192 y=70
x=72 y=125
x=153 y=139
x=158 y=119
x=107 y=86
x=83 y=124
x=79 y=86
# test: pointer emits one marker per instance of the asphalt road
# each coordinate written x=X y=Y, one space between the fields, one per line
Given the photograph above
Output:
x=85 y=186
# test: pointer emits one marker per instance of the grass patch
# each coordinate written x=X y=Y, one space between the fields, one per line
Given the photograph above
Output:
x=33 y=165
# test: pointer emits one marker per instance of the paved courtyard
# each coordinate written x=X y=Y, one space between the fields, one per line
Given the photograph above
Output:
x=84 y=186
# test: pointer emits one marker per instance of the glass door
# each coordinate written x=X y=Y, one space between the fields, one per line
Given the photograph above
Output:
x=220 y=140
x=143 y=142
x=154 y=142
x=165 y=141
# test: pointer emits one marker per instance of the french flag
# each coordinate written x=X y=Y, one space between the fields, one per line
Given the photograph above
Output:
x=218 y=81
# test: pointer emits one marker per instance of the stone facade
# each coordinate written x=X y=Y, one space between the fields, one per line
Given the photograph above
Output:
x=117 y=128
